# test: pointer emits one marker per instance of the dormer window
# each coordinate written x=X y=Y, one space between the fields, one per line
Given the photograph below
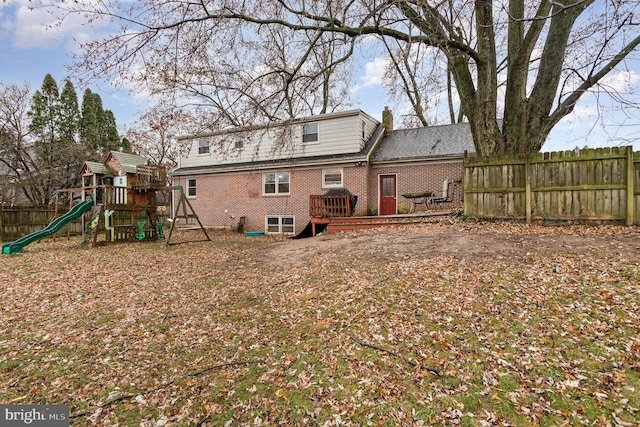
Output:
x=310 y=133
x=203 y=146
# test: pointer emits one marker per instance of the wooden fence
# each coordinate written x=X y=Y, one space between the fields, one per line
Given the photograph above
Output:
x=591 y=184
x=18 y=222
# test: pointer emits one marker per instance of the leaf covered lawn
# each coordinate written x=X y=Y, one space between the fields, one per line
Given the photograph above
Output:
x=445 y=323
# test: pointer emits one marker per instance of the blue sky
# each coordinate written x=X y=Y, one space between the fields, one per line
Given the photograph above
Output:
x=29 y=50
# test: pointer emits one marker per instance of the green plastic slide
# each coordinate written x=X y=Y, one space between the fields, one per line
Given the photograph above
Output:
x=55 y=225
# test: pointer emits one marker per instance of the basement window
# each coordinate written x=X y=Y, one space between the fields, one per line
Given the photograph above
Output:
x=279 y=224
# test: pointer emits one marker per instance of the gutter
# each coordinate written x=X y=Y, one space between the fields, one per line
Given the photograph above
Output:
x=376 y=144
x=259 y=168
x=431 y=159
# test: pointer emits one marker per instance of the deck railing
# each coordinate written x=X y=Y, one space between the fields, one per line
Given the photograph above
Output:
x=151 y=175
x=114 y=195
x=330 y=206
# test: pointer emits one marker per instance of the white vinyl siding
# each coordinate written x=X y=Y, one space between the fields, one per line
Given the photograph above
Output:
x=279 y=224
x=337 y=133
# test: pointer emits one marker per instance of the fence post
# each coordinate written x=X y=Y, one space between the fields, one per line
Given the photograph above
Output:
x=527 y=187
x=630 y=187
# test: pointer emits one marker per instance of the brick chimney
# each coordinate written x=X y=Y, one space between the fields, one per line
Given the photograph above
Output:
x=387 y=120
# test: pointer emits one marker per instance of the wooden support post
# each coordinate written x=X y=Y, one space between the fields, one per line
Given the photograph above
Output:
x=630 y=214
x=527 y=187
x=55 y=212
x=183 y=203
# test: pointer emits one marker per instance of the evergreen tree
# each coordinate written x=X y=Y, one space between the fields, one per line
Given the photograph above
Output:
x=112 y=139
x=125 y=144
x=89 y=136
x=98 y=130
x=69 y=124
x=49 y=150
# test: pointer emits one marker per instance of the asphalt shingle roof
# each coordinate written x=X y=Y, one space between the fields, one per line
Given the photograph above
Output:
x=98 y=168
x=129 y=161
x=424 y=142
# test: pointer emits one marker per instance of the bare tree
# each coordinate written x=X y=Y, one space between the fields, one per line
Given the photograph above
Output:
x=154 y=133
x=555 y=51
x=18 y=168
x=414 y=73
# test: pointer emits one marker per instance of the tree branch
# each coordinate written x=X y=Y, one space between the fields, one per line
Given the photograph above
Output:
x=399 y=356
x=165 y=385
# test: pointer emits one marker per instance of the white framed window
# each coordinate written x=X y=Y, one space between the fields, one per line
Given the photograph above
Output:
x=238 y=142
x=275 y=183
x=281 y=224
x=364 y=128
x=310 y=133
x=203 y=146
x=191 y=187
x=332 y=177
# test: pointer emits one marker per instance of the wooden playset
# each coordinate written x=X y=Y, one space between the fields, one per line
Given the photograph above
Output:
x=125 y=198
x=132 y=200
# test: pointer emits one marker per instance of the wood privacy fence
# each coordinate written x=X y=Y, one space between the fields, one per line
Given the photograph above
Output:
x=18 y=222
x=591 y=184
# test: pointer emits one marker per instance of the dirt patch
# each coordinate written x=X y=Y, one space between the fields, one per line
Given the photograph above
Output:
x=464 y=241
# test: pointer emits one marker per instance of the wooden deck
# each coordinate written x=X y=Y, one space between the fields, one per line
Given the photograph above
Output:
x=366 y=222
x=323 y=206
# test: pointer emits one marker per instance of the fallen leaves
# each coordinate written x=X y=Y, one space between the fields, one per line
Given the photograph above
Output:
x=525 y=325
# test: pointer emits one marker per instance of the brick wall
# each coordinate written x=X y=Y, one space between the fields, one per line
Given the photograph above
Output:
x=417 y=178
x=221 y=199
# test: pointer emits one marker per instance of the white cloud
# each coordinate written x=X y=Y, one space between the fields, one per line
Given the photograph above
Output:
x=622 y=81
x=374 y=71
x=38 y=24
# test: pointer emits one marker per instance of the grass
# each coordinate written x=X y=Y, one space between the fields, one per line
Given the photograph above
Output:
x=217 y=333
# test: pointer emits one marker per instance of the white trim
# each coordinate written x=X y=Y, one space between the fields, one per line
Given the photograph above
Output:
x=378 y=196
x=325 y=185
x=280 y=224
x=195 y=188
x=208 y=147
x=301 y=165
x=276 y=183
x=317 y=133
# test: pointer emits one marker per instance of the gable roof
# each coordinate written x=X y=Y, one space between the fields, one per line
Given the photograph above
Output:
x=127 y=161
x=423 y=142
x=95 y=168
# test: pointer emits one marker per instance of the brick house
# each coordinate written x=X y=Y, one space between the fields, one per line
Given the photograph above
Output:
x=267 y=174
x=417 y=161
